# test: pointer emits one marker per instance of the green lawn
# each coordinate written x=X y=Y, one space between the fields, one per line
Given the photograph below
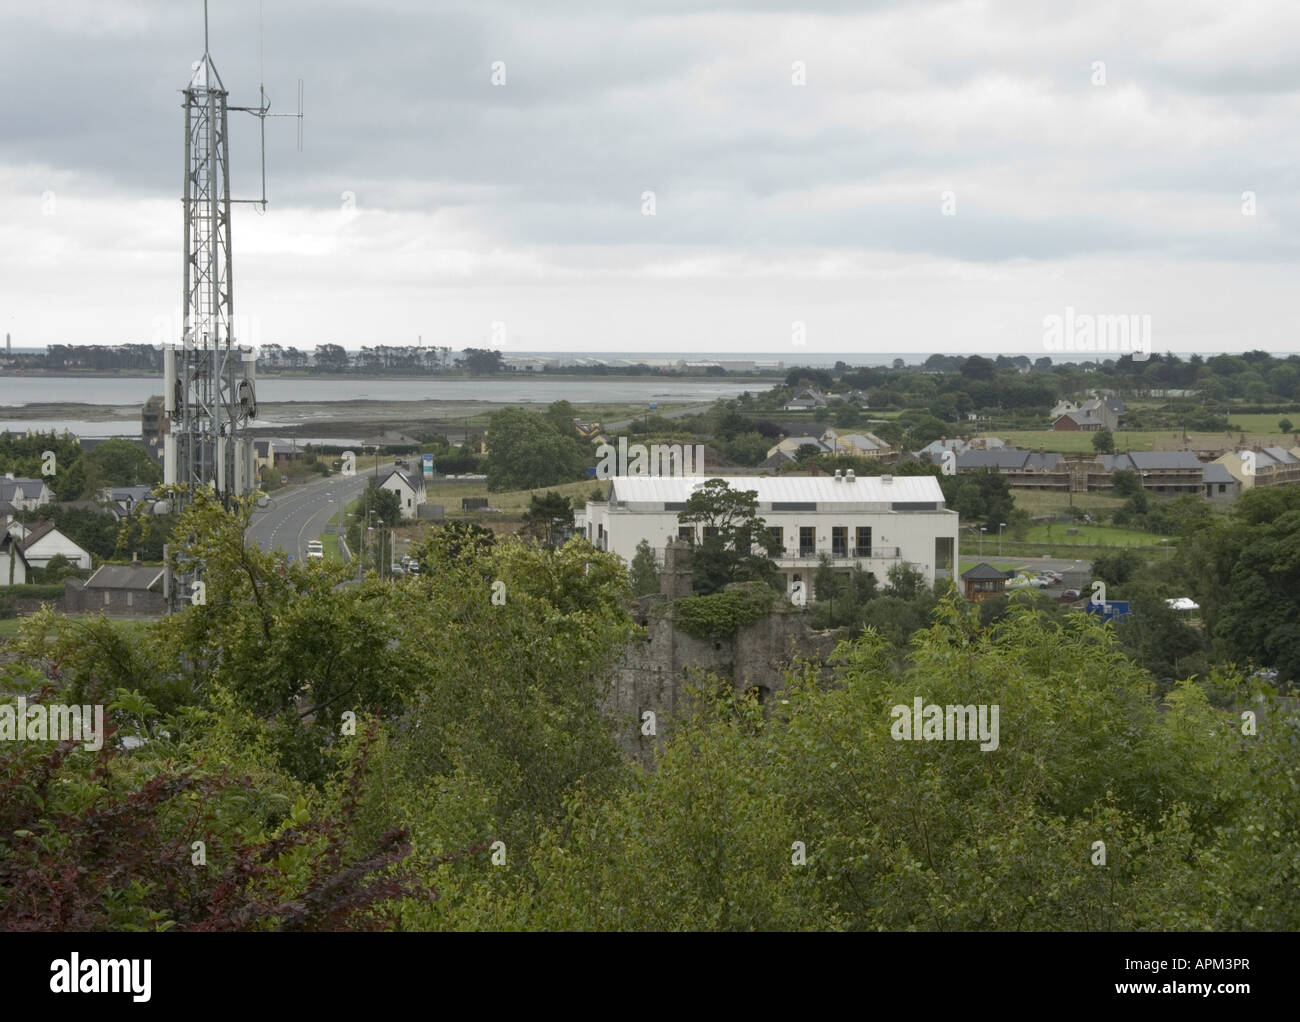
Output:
x=1091 y=535
x=1266 y=424
x=9 y=625
x=1044 y=502
x=450 y=494
x=1077 y=441
x=330 y=543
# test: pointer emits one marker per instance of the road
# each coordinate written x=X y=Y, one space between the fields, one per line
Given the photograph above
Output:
x=300 y=513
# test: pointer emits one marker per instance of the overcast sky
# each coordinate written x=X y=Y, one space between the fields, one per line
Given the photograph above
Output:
x=429 y=201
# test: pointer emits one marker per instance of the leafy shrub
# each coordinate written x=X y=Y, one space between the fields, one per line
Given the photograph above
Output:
x=721 y=614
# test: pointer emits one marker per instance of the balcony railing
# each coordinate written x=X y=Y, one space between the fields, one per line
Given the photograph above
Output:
x=880 y=553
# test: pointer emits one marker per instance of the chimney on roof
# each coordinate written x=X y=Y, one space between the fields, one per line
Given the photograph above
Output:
x=886 y=479
x=837 y=475
x=135 y=558
x=850 y=477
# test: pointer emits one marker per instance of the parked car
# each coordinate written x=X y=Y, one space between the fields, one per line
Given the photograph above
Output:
x=396 y=569
x=1070 y=595
x=1037 y=581
x=315 y=550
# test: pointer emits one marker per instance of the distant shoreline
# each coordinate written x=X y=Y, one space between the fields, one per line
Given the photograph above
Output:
x=93 y=374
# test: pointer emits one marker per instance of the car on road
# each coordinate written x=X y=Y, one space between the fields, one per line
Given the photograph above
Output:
x=1036 y=581
x=1070 y=595
x=315 y=550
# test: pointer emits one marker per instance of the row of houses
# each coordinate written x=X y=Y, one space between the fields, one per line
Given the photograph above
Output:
x=810 y=399
x=857 y=443
x=1169 y=473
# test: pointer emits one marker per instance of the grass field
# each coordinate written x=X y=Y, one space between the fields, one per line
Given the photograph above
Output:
x=330 y=543
x=1076 y=442
x=9 y=625
x=1043 y=502
x=1092 y=535
x=450 y=494
x=1266 y=424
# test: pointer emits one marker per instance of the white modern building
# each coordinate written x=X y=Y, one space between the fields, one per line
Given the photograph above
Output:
x=876 y=522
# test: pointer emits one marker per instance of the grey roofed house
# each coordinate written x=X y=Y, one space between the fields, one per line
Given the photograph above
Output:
x=1151 y=461
x=1218 y=473
x=125 y=499
x=1010 y=458
x=20 y=491
x=414 y=480
x=957 y=445
x=810 y=441
x=1277 y=455
x=140 y=578
x=807 y=397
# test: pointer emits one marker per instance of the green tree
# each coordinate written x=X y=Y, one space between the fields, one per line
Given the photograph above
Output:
x=643 y=572
x=1284 y=425
x=1103 y=441
x=737 y=546
x=1127 y=483
x=526 y=452
x=548 y=515
x=119 y=462
x=481 y=361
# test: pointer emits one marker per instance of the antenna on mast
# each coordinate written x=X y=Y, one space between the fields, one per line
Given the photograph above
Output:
x=210 y=380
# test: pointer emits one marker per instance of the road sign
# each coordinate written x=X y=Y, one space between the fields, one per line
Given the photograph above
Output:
x=428 y=464
x=284 y=480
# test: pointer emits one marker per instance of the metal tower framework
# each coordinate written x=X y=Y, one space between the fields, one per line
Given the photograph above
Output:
x=210 y=392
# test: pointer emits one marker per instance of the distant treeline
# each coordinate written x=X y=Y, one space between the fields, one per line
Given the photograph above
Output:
x=1254 y=377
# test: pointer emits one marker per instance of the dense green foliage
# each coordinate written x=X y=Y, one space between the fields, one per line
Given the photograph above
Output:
x=428 y=753
x=719 y=615
x=78 y=474
x=736 y=545
x=529 y=450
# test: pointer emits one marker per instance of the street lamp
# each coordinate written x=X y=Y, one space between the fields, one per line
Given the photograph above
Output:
x=983 y=530
x=1001 y=526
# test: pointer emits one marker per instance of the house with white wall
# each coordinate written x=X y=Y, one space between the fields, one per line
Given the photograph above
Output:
x=876 y=522
x=409 y=487
x=41 y=542
x=24 y=494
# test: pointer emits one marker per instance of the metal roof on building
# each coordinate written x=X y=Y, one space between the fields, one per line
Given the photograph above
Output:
x=1151 y=461
x=783 y=489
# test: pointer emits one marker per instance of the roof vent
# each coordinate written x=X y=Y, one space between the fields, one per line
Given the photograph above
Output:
x=886 y=479
x=850 y=476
